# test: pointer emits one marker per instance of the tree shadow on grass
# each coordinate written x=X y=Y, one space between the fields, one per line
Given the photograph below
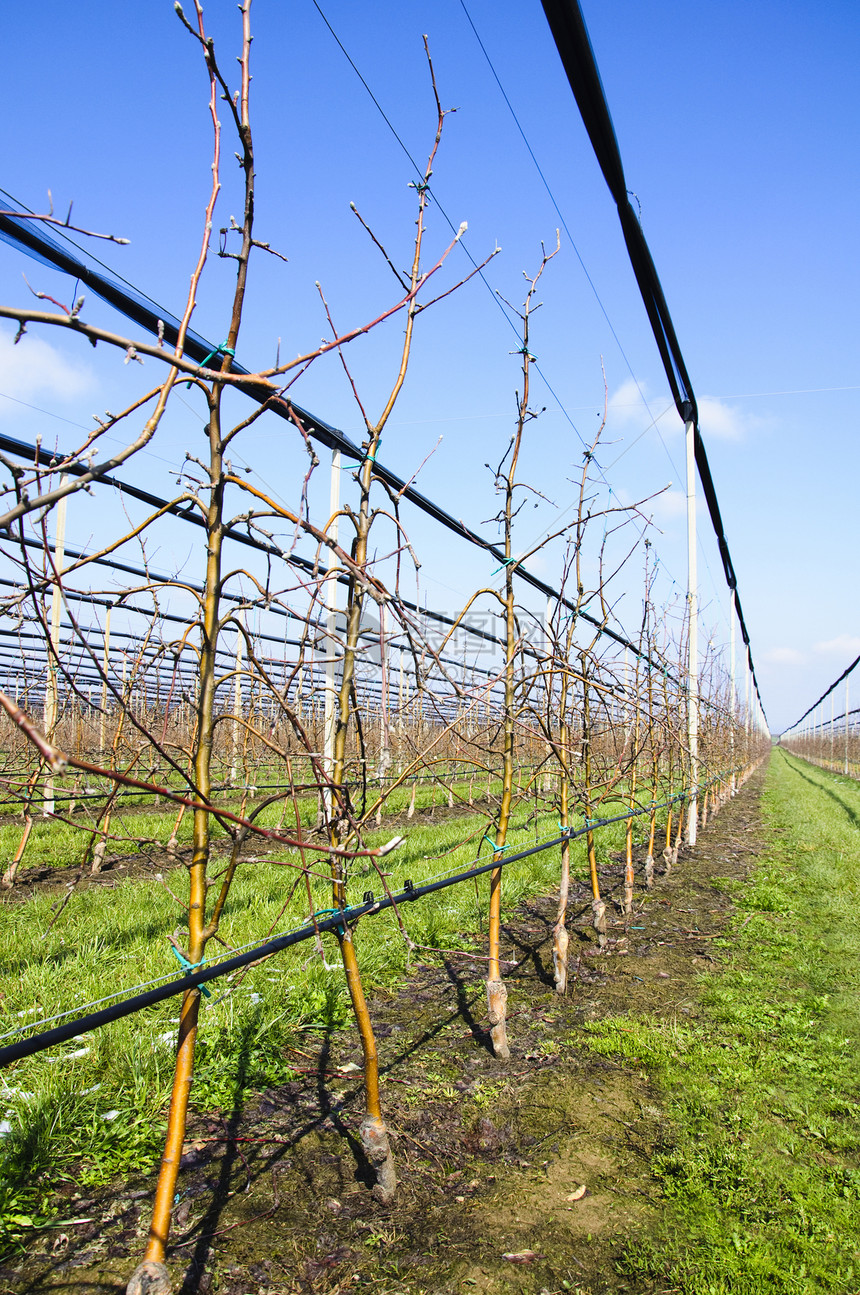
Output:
x=834 y=796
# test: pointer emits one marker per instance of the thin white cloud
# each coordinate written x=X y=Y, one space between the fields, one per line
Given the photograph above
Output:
x=629 y=418
x=668 y=506
x=626 y=406
x=784 y=656
x=35 y=371
x=538 y=563
x=844 y=645
x=724 y=422
x=718 y=419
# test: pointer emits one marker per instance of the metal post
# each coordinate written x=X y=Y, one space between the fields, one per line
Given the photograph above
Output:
x=733 y=692
x=51 y=688
x=329 y=719
x=847 y=722
x=237 y=693
x=626 y=704
x=550 y=650
x=747 y=716
x=384 y=730
x=693 y=639
x=105 y=662
x=401 y=700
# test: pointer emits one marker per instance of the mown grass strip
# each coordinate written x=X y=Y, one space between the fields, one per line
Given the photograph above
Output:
x=759 y=1161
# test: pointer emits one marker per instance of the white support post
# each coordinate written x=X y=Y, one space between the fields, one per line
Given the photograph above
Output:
x=329 y=717
x=105 y=663
x=51 y=686
x=237 y=694
x=401 y=698
x=733 y=692
x=549 y=649
x=384 y=729
x=628 y=708
x=693 y=639
x=747 y=716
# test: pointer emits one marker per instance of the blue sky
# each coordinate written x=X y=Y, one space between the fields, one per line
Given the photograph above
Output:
x=738 y=129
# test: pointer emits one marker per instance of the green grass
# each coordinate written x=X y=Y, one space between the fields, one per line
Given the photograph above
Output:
x=99 y=1102
x=134 y=820
x=759 y=1158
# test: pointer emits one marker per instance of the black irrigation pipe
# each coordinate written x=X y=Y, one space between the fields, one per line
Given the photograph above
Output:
x=161 y=651
x=303 y=564
x=34 y=453
x=835 y=684
x=818 y=729
x=64 y=797
x=132 y=303
x=369 y=689
x=369 y=907
x=70 y=798
x=567 y=24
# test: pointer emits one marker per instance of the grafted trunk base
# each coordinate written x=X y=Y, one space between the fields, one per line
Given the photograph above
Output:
x=560 y=943
x=668 y=857
x=149 y=1278
x=649 y=871
x=497 y=1011
x=374 y=1140
x=598 y=909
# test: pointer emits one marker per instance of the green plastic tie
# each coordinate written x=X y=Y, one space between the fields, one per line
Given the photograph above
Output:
x=506 y=562
x=191 y=966
x=223 y=349
x=497 y=849
x=371 y=458
x=330 y=912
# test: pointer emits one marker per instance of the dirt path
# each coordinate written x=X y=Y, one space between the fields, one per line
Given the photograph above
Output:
x=492 y=1156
